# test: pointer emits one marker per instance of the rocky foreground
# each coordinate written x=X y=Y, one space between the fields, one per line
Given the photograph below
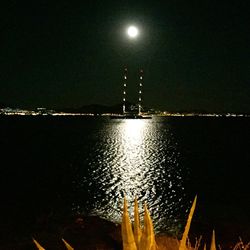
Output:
x=83 y=233
x=94 y=233
x=88 y=233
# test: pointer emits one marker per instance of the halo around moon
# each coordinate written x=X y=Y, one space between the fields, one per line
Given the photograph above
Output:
x=132 y=31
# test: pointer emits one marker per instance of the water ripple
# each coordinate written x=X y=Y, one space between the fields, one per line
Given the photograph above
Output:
x=135 y=158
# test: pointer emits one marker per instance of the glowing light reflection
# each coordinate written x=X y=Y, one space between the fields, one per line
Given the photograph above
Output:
x=137 y=158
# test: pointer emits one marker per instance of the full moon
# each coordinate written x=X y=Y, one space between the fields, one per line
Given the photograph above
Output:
x=132 y=32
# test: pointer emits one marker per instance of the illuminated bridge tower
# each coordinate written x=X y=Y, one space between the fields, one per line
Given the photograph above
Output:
x=140 y=92
x=124 y=90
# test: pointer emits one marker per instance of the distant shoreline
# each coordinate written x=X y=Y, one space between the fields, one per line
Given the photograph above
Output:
x=161 y=114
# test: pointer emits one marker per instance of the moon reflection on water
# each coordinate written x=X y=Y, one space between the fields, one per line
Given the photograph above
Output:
x=135 y=158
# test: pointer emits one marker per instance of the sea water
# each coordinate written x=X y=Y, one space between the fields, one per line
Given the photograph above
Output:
x=54 y=167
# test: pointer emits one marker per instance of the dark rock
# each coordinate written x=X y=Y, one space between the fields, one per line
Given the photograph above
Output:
x=93 y=233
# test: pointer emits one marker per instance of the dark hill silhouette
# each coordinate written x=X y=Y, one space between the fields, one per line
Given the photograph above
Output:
x=101 y=109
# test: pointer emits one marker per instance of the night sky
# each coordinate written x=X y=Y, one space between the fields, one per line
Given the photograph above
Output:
x=195 y=54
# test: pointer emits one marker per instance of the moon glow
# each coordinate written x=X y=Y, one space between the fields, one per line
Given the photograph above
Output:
x=132 y=32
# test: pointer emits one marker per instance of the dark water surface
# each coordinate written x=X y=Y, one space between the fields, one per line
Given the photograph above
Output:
x=54 y=167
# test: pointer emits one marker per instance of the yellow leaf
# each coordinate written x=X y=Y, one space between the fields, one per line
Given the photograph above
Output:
x=137 y=227
x=127 y=233
x=39 y=247
x=148 y=238
x=213 y=244
x=187 y=227
x=68 y=246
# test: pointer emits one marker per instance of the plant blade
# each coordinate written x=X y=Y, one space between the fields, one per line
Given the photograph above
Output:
x=39 y=247
x=137 y=227
x=128 y=240
x=68 y=246
x=187 y=227
x=213 y=244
